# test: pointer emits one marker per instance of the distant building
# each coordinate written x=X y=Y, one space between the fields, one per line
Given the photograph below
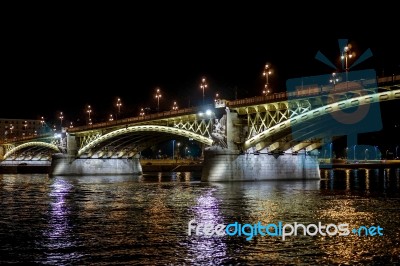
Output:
x=19 y=128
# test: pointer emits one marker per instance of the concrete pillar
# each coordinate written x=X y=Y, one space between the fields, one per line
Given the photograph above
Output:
x=64 y=164
x=72 y=146
x=232 y=132
x=220 y=165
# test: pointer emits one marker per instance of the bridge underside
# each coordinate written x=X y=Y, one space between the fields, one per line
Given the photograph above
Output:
x=307 y=137
x=127 y=145
x=31 y=151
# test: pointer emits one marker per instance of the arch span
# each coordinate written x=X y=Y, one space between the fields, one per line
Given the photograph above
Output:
x=31 y=144
x=149 y=128
x=322 y=111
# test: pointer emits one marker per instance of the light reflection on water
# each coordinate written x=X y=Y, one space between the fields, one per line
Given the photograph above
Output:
x=144 y=219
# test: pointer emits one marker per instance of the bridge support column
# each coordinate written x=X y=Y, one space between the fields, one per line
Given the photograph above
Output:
x=64 y=164
x=72 y=146
x=222 y=165
x=2 y=152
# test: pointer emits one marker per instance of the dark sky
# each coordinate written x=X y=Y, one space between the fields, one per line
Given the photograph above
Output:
x=55 y=61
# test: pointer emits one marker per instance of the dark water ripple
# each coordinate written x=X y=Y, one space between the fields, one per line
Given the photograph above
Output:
x=143 y=220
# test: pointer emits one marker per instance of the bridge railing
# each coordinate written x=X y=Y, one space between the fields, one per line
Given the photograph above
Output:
x=25 y=138
x=310 y=91
x=143 y=118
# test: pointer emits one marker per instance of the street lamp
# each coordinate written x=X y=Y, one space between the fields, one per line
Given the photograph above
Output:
x=266 y=73
x=334 y=79
x=175 y=106
x=142 y=113
x=158 y=96
x=111 y=118
x=61 y=118
x=203 y=85
x=216 y=97
x=90 y=121
x=346 y=55
x=71 y=125
x=42 y=121
x=89 y=111
x=119 y=106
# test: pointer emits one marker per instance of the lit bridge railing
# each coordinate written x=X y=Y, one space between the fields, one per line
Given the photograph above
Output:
x=144 y=118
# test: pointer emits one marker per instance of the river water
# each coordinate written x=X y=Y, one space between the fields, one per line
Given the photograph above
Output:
x=130 y=220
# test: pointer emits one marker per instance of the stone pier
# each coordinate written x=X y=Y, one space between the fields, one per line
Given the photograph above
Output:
x=220 y=165
x=63 y=164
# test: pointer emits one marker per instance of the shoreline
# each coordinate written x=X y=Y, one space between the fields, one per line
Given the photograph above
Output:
x=148 y=168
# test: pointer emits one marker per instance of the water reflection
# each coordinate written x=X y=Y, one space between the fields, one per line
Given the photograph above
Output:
x=143 y=220
x=363 y=181
x=59 y=232
x=203 y=249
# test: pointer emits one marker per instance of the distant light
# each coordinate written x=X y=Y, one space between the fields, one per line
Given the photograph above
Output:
x=208 y=112
x=200 y=114
x=57 y=135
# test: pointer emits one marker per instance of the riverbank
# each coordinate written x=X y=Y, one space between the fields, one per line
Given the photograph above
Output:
x=369 y=164
x=183 y=166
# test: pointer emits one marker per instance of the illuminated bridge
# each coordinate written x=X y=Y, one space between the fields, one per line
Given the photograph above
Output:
x=244 y=139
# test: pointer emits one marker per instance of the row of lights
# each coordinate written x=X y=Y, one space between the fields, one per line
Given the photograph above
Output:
x=158 y=96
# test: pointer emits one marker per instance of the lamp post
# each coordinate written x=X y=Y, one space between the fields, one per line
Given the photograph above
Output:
x=119 y=107
x=346 y=55
x=203 y=85
x=61 y=119
x=158 y=96
x=71 y=125
x=216 y=97
x=175 y=106
x=142 y=113
x=266 y=73
x=42 y=125
x=334 y=79
x=110 y=118
x=89 y=111
x=11 y=129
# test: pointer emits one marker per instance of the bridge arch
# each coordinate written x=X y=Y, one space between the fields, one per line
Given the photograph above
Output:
x=322 y=111
x=31 y=144
x=146 y=128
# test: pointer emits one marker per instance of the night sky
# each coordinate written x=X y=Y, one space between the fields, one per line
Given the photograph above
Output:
x=56 y=62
